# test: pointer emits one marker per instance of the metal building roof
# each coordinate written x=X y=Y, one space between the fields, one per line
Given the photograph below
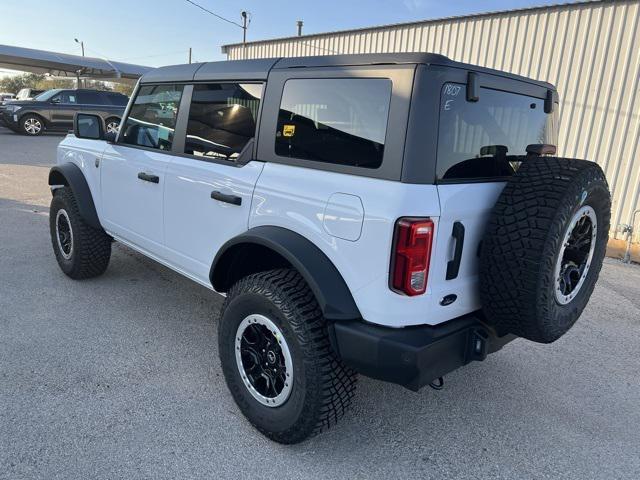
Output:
x=416 y=22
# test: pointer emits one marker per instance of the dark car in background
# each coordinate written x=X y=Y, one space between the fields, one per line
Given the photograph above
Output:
x=54 y=110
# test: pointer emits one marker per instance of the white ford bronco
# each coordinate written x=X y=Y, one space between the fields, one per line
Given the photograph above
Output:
x=396 y=215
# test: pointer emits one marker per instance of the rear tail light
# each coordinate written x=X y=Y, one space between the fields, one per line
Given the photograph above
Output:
x=410 y=256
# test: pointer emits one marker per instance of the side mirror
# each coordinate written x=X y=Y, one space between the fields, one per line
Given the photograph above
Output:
x=88 y=126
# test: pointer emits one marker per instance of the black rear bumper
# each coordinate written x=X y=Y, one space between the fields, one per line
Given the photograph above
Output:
x=415 y=356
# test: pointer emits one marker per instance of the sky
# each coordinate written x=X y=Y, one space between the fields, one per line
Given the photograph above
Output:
x=160 y=32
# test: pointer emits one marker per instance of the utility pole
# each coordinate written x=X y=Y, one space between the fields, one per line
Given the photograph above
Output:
x=189 y=54
x=299 y=23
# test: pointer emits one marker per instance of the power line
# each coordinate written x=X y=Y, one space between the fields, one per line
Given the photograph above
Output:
x=215 y=14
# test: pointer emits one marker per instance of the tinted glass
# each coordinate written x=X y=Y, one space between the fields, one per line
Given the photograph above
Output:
x=43 y=97
x=116 y=99
x=340 y=121
x=152 y=118
x=65 y=98
x=222 y=119
x=485 y=139
x=89 y=98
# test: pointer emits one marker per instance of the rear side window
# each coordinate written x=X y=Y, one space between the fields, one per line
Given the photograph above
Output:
x=116 y=99
x=338 y=121
x=486 y=139
x=152 y=119
x=222 y=119
x=89 y=98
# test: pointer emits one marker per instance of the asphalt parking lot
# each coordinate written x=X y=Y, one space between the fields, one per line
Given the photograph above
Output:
x=118 y=377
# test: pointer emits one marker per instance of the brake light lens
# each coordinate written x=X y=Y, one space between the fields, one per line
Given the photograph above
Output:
x=413 y=238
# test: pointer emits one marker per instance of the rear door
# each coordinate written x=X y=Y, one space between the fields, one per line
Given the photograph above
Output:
x=207 y=192
x=480 y=145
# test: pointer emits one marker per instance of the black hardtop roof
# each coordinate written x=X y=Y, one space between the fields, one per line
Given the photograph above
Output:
x=258 y=69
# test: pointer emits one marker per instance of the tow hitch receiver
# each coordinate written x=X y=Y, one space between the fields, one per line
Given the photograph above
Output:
x=415 y=356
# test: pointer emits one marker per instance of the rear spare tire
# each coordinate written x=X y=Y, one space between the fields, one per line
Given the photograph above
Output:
x=544 y=247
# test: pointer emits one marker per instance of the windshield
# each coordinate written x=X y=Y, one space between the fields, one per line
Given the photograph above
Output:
x=487 y=138
x=44 y=96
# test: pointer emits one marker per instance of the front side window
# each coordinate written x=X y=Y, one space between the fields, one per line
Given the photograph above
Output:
x=43 y=97
x=152 y=119
x=65 y=98
x=69 y=97
x=487 y=139
x=338 y=121
x=222 y=119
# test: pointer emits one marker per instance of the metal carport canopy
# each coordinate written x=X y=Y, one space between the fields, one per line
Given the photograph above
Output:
x=64 y=65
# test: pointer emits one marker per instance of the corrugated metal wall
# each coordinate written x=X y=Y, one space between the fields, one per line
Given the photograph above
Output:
x=590 y=51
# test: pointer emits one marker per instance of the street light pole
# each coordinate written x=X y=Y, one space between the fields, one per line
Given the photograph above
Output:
x=82 y=48
x=244 y=34
x=81 y=45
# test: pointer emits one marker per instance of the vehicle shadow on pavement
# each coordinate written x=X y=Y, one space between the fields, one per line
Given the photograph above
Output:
x=121 y=373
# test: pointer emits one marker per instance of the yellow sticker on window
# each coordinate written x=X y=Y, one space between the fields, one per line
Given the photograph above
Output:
x=289 y=130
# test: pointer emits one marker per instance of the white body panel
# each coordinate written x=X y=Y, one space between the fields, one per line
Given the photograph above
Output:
x=133 y=208
x=83 y=153
x=285 y=197
x=349 y=218
x=469 y=204
x=195 y=225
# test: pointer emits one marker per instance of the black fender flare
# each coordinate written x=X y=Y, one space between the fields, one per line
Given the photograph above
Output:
x=324 y=279
x=69 y=174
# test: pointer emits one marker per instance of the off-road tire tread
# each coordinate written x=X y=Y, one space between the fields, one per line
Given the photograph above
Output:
x=516 y=252
x=92 y=245
x=331 y=394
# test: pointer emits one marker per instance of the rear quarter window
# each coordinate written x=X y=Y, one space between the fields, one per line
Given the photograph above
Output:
x=334 y=120
x=486 y=139
x=89 y=98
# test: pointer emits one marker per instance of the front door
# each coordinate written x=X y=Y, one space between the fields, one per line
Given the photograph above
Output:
x=64 y=106
x=133 y=171
x=209 y=187
x=133 y=181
